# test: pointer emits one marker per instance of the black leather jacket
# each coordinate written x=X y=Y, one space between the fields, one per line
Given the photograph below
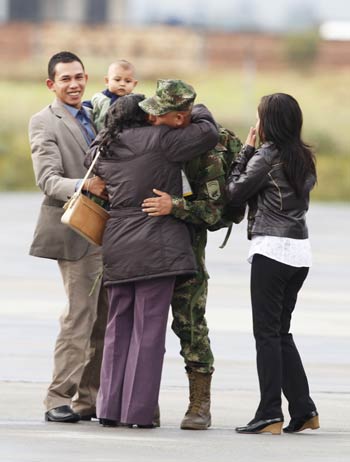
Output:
x=257 y=177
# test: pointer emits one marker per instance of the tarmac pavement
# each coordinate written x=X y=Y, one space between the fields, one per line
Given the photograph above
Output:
x=32 y=298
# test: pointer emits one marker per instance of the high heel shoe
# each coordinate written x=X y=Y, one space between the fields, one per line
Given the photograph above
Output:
x=156 y=417
x=273 y=426
x=296 y=425
x=152 y=425
x=155 y=421
x=108 y=423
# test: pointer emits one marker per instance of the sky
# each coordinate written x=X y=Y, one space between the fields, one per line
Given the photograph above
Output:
x=267 y=14
x=277 y=15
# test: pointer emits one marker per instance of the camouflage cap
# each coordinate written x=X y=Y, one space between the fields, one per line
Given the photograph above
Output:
x=171 y=95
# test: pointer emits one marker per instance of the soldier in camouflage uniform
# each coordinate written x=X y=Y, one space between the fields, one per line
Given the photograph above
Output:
x=203 y=209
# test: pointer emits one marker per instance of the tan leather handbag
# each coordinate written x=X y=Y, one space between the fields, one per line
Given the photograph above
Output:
x=83 y=215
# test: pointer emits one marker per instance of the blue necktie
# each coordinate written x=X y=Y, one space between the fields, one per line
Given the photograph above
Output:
x=86 y=124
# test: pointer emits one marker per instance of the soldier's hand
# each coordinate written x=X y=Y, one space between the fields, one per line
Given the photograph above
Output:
x=96 y=186
x=158 y=206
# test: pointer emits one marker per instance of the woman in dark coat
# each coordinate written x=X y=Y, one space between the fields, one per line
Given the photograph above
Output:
x=142 y=255
x=276 y=181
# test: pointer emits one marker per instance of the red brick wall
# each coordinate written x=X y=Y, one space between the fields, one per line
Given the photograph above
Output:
x=157 y=49
x=16 y=41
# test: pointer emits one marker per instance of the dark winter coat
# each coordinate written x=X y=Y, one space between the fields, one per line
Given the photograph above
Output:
x=136 y=246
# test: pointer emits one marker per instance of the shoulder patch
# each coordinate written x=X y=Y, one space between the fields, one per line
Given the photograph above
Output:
x=213 y=188
x=219 y=147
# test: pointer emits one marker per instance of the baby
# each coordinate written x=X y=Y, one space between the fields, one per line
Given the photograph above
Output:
x=120 y=81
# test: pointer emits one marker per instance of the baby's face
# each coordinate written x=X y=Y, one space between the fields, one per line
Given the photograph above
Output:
x=120 y=81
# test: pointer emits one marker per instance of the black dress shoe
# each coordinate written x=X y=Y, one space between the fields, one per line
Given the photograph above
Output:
x=108 y=423
x=88 y=417
x=310 y=420
x=273 y=426
x=62 y=414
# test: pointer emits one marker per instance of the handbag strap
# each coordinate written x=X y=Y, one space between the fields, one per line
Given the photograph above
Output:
x=88 y=173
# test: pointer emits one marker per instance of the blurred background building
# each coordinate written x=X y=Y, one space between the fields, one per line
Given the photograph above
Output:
x=77 y=11
x=232 y=51
x=177 y=36
x=264 y=15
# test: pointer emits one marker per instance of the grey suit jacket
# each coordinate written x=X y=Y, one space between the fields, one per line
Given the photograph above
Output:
x=58 y=150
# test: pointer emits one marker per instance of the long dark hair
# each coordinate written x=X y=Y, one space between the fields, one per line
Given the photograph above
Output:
x=281 y=121
x=124 y=113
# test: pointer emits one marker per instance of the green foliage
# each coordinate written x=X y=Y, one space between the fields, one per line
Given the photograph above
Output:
x=16 y=171
x=301 y=49
x=333 y=179
x=233 y=98
x=323 y=143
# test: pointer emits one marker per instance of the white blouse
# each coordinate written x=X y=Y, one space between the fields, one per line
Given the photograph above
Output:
x=293 y=252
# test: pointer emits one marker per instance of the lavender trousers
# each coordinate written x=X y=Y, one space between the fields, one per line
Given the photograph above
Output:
x=134 y=350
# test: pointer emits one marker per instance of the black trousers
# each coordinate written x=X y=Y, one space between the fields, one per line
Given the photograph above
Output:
x=274 y=290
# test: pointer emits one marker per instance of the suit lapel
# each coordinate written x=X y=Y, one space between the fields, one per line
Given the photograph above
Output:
x=71 y=123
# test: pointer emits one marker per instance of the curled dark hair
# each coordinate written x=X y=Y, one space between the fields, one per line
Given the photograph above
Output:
x=124 y=113
x=281 y=121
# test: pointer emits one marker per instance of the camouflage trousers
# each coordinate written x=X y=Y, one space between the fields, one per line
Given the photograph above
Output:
x=188 y=308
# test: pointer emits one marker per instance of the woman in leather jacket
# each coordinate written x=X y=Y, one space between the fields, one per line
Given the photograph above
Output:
x=276 y=180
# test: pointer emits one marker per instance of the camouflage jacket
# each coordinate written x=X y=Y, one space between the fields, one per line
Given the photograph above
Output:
x=207 y=174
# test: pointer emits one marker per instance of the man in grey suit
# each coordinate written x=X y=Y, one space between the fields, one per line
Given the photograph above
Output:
x=60 y=135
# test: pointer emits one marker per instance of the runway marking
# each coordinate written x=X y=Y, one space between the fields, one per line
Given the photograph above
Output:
x=77 y=435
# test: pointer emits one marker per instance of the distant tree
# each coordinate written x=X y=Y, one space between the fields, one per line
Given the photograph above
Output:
x=302 y=49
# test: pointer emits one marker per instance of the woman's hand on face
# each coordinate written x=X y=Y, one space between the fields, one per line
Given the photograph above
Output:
x=251 y=138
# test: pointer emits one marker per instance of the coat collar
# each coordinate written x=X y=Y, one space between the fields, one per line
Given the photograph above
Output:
x=70 y=122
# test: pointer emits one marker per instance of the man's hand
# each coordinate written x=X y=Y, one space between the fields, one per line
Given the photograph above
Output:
x=157 y=206
x=96 y=186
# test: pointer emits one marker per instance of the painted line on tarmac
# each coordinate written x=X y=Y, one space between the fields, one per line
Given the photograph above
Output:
x=64 y=434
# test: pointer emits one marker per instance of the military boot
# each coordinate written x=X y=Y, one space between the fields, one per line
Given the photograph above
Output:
x=198 y=415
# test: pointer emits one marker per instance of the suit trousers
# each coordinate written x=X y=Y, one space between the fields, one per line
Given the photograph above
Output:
x=79 y=345
x=134 y=350
x=274 y=290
